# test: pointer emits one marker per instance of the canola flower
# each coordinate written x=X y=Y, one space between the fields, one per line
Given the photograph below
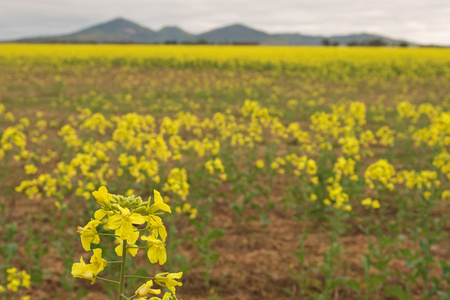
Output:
x=368 y=202
x=381 y=171
x=187 y=209
x=15 y=281
x=122 y=215
x=216 y=166
x=341 y=130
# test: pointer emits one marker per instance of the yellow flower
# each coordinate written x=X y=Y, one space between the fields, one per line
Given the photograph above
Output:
x=130 y=243
x=366 y=202
x=193 y=214
x=375 y=204
x=446 y=194
x=155 y=225
x=26 y=279
x=260 y=164
x=30 y=169
x=167 y=296
x=156 y=248
x=123 y=223
x=168 y=280
x=13 y=285
x=311 y=167
x=158 y=204
x=14 y=277
x=82 y=270
x=89 y=234
x=146 y=289
x=102 y=197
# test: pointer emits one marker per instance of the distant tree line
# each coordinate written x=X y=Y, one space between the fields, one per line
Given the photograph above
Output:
x=373 y=42
x=327 y=42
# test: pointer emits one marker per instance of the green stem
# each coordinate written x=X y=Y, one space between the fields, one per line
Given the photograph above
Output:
x=108 y=280
x=122 y=270
x=115 y=262
x=132 y=297
x=129 y=298
x=107 y=234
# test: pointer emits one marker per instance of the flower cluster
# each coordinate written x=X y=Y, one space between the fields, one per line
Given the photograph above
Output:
x=216 y=166
x=16 y=280
x=123 y=215
x=381 y=171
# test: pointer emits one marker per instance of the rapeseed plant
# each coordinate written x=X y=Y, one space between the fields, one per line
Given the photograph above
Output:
x=123 y=215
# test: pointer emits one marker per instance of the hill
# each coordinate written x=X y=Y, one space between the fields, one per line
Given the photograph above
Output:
x=123 y=31
x=174 y=34
x=236 y=33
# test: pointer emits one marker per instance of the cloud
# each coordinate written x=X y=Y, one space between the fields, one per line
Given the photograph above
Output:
x=424 y=21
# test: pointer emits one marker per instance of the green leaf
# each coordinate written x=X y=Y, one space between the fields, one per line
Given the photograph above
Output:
x=397 y=292
x=265 y=220
x=11 y=248
x=442 y=295
x=445 y=269
x=353 y=284
x=407 y=254
x=215 y=233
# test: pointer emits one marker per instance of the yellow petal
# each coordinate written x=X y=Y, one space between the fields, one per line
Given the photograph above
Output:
x=160 y=202
x=119 y=249
x=99 y=214
x=115 y=221
x=126 y=231
x=137 y=219
x=133 y=251
x=134 y=236
x=153 y=254
x=86 y=243
x=162 y=256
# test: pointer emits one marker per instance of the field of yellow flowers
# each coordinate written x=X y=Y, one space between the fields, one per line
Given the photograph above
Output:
x=289 y=172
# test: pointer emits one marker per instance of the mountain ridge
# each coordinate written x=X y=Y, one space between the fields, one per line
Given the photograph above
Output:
x=120 y=30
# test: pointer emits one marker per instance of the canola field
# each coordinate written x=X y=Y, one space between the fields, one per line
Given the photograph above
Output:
x=282 y=172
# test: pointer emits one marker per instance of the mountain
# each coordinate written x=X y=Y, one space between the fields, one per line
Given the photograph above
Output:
x=173 y=33
x=123 y=31
x=116 y=31
x=299 y=39
x=236 y=33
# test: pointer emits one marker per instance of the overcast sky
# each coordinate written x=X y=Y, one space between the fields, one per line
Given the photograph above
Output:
x=422 y=21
